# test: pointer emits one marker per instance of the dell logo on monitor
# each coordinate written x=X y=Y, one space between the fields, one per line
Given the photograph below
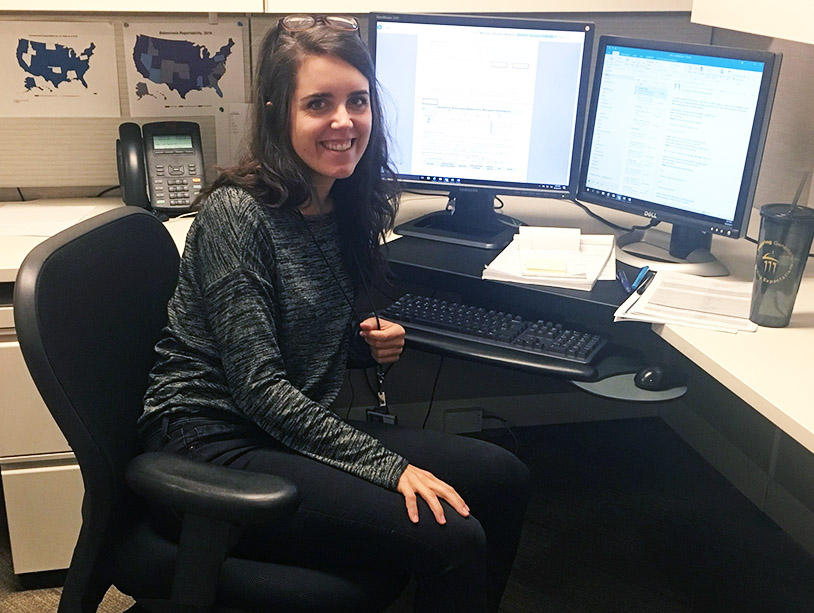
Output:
x=650 y=214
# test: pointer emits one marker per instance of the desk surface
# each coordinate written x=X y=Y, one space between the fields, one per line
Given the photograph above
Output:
x=768 y=369
x=13 y=249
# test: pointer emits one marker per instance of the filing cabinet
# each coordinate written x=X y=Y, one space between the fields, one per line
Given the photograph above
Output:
x=42 y=484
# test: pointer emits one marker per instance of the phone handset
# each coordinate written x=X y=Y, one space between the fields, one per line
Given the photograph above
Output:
x=160 y=165
x=131 y=165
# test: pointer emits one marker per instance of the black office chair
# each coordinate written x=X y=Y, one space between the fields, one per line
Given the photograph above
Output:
x=89 y=305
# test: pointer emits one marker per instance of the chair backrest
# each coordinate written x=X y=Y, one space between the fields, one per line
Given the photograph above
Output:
x=89 y=305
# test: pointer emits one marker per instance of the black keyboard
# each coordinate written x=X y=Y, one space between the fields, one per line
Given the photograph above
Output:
x=541 y=338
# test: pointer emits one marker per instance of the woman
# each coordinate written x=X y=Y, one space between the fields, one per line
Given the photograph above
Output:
x=260 y=330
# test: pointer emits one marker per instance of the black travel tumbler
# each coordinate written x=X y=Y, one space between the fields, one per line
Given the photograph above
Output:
x=786 y=231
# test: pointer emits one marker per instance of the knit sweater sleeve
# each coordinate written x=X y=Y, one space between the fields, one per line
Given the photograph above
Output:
x=240 y=306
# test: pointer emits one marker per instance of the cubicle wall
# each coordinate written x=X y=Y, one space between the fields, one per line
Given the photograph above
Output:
x=53 y=157
x=789 y=154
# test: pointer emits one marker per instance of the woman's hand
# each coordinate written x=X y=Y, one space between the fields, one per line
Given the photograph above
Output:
x=417 y=481
x=387 y=343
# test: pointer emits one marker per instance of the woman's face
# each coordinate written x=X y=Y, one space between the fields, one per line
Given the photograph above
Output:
x=330 y=117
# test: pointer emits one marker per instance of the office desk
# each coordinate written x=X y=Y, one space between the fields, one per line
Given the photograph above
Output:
x=13 y=249
x=751 y=417
x=768 y=369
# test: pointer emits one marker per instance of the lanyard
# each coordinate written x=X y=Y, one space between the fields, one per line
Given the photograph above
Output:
x=380 y=371
x=380 y=374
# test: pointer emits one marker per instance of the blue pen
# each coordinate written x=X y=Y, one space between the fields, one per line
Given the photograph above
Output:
x=623 y=280
x=639 y=278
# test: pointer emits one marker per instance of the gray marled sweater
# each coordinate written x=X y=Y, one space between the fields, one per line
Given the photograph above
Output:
x=258 y=326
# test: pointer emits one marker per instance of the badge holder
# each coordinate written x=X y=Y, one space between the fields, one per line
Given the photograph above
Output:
x=382 y=413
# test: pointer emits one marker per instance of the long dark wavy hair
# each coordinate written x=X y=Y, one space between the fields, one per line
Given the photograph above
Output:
x=272 y=172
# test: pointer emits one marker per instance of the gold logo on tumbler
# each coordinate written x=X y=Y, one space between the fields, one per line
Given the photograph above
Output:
x=769 y=263
x=775 y=261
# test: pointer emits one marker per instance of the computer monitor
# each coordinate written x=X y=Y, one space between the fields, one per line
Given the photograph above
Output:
x=481 y=106
x=675 y=133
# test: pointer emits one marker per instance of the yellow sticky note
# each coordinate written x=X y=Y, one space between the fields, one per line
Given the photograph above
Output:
x=538 y=266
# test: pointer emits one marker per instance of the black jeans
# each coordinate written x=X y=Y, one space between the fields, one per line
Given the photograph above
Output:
x=345 y=521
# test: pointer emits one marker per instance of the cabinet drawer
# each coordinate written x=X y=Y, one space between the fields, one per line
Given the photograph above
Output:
x=6 y=318
x=44 y=511
x=26 y=426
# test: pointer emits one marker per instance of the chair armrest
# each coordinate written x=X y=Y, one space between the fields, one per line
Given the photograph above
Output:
x=208 y=490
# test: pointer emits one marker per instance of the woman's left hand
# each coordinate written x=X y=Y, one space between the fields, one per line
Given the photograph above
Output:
x=387 y=343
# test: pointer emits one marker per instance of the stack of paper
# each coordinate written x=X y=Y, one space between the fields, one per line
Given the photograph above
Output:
x=688 y=300
x=556 y=257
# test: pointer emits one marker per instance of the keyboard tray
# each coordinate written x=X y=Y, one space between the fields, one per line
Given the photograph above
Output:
x=497 y=337
x=500 y=356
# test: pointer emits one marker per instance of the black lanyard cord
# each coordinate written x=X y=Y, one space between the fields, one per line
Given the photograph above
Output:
x=381 y=373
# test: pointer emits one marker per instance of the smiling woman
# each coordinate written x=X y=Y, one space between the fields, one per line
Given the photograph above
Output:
x=262 y=327
x=330 y=122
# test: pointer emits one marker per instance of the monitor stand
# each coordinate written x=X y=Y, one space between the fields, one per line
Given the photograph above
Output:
x=683 y=250
x=469 y=220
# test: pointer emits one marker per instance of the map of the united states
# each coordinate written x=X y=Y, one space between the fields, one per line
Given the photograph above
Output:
x=56 y=64
x=181 y=65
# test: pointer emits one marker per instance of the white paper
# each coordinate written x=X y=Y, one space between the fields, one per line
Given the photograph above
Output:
x=596 y=257
x=548 y=239
x=689 y=300
x=183 y=68
x=40 y=219
x=549 y=252
x=231 y=126
x=609 y=271
x=58 y=69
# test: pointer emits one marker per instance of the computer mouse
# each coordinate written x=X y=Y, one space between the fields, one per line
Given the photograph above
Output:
x=656 y=379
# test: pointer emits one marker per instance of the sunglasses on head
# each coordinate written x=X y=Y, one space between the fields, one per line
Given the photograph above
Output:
x=300 y=23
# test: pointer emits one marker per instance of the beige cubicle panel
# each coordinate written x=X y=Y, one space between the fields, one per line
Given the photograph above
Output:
x=152 y=6
x=475 y=6
x=789 y=19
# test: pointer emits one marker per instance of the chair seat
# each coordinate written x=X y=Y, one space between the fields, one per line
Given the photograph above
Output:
x=145 y=560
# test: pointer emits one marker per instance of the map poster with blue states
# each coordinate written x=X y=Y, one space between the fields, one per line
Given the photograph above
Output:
x=58 y=69
x=183 y=68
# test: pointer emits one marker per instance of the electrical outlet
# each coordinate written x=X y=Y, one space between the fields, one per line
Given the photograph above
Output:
x=459 y=421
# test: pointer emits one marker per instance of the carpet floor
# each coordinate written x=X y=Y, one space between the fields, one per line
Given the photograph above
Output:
x=624 y=516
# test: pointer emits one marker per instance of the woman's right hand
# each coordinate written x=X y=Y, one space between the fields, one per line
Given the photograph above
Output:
x=415 y=481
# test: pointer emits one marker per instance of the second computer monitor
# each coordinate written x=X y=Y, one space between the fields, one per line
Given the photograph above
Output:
x=675 y=133
x=480 y=106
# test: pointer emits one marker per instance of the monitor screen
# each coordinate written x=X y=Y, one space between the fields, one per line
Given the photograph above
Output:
x=676 y=132
x=480 y=106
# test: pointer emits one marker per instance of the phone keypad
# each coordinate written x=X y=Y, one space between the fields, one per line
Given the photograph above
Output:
x=176 y=192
